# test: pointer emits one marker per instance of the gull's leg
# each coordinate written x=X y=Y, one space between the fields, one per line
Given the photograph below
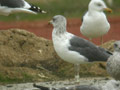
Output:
x=102 y=40
x=77 y=69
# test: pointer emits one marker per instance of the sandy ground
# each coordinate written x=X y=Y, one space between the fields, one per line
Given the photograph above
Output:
x=41 y=28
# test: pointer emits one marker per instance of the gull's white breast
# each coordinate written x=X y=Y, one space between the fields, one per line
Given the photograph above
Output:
x=61 y=44
x=94 y=25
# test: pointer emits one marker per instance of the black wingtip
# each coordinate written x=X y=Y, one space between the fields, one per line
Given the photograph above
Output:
x=37 y=9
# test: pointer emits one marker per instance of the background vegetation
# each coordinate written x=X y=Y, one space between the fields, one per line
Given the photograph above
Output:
x=68 y=8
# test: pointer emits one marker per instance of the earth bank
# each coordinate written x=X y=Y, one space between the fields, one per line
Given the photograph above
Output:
x=25 y=57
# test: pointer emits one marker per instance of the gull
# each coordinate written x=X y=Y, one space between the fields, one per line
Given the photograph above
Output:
x=74 y=49
x=113 y=63
x=109 y=85
x=13 y=6
x=94 y=22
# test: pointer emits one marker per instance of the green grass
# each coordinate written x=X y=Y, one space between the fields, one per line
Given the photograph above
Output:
x=4 y=79
x=68 y=8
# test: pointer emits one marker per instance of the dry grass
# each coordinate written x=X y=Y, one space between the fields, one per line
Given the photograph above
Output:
x=26 y=57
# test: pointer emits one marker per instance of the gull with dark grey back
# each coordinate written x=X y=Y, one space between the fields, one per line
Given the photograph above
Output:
x=74 y=49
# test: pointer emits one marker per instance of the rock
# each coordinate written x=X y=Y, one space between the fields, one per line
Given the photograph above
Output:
x=108 y=85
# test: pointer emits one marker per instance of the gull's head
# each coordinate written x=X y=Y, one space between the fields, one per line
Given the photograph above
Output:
x=111 y=85
x=98 y=5
x=58 y=21
x=117 y=46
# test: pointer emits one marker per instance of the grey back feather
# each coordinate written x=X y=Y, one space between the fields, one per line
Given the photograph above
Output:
x=88 y=49
x=12 y=3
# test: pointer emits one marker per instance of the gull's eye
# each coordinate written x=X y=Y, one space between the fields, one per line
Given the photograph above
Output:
x=99 y=4
x=54 y=19
x=115 y=45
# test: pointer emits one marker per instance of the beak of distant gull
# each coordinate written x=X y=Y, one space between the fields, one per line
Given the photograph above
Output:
x=108 y=10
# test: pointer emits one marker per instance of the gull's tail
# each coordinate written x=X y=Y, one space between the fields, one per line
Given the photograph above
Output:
x=36 y=9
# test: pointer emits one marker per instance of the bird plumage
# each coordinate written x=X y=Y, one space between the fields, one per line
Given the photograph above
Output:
x=67 y=44
x=74 y=49
x=95 y=23
x=113 y=62
x=13 y=6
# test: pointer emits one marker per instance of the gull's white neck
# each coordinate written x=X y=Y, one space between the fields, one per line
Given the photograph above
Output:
x=94 y=12
x=116 y=52
x=59 y=30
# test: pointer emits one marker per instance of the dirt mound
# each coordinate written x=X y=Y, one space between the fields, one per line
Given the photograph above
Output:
x=21 y=48
x=26 y=57
x=21 y=53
